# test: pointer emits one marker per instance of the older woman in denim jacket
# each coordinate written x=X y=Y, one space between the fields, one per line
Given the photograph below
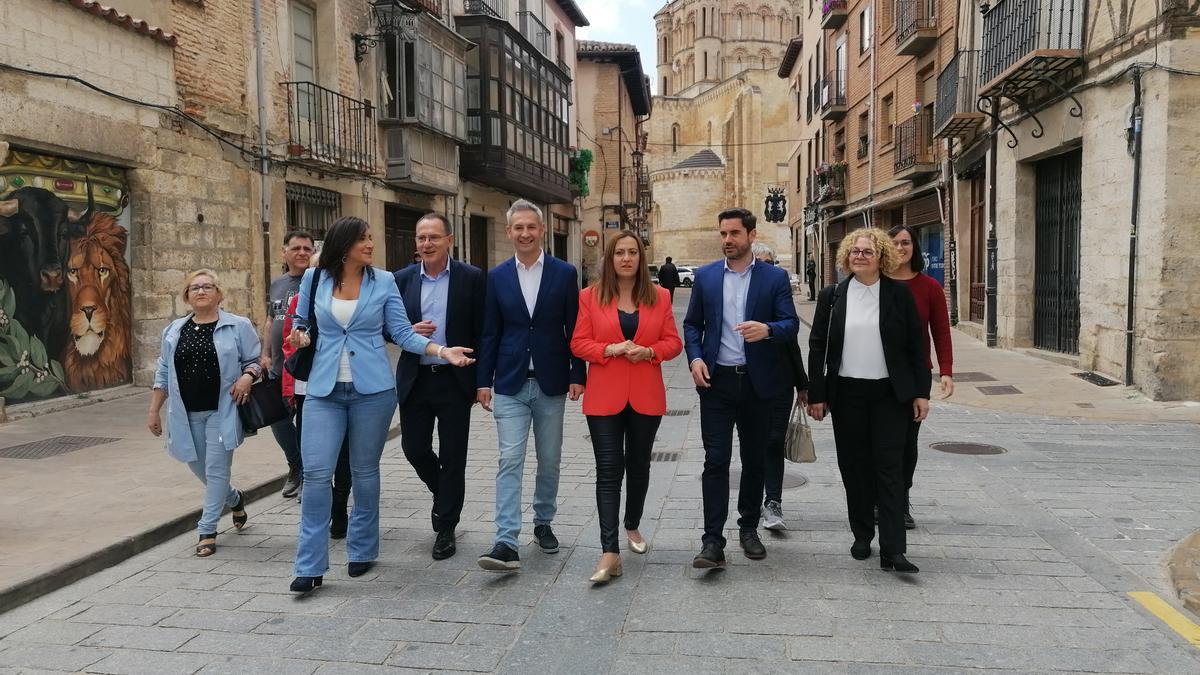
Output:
x=207 y=363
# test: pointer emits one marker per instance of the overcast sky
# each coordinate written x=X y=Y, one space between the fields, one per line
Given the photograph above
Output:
x=628 y=21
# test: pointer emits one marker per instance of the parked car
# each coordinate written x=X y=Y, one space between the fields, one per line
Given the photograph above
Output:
x=686 y=275
x=653 y=273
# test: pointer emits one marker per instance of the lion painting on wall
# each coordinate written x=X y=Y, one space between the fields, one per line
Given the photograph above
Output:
x=98 y=349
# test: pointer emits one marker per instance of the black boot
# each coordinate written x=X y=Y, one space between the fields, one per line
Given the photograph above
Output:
x=295 y=479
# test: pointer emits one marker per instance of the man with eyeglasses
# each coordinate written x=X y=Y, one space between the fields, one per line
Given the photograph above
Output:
x=444 y=300
x=297 y=250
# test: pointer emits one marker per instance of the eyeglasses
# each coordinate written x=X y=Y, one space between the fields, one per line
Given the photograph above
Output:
x=205 y=288
x=862 y=253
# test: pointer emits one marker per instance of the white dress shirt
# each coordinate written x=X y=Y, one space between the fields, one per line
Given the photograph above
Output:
x=862 y=346
x=530 y=279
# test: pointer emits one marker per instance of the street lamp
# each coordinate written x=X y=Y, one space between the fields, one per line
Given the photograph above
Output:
x=391 y=17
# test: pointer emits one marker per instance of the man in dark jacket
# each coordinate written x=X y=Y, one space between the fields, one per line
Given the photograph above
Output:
x=668 y=277
x=444 y=300
x=810 y=273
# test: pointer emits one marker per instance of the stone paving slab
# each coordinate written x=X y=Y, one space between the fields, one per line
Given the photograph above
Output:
x=1026 y=561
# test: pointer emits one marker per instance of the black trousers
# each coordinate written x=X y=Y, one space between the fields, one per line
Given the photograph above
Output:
x=437 y=396
x=812 y=288
x=781 y=412
x=622 y=445
x=869 y=428
x=341 y=473
x=729 y=402
x=910 y=456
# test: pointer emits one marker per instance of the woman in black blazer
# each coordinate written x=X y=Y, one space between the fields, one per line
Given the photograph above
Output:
x=867 y=369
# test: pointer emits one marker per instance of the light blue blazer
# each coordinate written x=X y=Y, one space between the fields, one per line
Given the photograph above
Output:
x=238 y=349
x=379 y=307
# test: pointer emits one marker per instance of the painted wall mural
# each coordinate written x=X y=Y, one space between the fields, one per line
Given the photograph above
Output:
x=65 y=290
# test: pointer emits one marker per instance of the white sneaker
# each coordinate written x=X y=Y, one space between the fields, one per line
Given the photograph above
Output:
x=773 y=516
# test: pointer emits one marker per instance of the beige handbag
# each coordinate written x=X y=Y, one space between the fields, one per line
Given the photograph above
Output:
x=798 y=444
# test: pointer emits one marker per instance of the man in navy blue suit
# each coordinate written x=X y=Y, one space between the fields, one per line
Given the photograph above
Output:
x=738 y=312
x=444 y=300
x=525 y=372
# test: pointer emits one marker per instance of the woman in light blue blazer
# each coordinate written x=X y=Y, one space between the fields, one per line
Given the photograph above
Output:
x=207 y=363
x=351 y=390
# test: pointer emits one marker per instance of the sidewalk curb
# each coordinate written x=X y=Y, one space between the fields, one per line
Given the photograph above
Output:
x=1183 y=567
x=68 y=573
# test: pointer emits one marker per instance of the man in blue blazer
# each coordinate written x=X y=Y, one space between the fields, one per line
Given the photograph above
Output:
x=444 y=300
x=526 y=372
x=739 y=311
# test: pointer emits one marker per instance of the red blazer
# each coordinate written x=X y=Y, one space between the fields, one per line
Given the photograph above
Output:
x=615 y=382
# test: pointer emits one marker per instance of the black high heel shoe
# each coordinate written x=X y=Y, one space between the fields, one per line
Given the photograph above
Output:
x=305 y=584
x=897 y=563
x=357 y=569
x=239 y=521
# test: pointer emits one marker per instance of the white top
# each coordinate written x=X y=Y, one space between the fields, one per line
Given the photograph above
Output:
x=342 y=311
x=530 y=279
x=862 y=346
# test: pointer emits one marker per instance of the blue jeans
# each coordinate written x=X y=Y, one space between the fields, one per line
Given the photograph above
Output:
x=327 y=420
x=513 y=417
x=212 y=466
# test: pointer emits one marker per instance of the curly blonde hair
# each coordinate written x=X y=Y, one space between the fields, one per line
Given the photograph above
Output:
x=889 y=257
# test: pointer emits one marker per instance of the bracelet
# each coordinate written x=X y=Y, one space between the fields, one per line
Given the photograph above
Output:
x=441 y=349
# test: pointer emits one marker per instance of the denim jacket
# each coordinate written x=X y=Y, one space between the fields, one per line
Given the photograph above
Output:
x=238 y=350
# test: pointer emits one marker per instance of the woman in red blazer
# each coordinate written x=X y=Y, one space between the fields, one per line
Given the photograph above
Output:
x=625 y=330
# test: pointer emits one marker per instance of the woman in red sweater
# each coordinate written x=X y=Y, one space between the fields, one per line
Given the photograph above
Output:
x=625 y=331
x=935 y=321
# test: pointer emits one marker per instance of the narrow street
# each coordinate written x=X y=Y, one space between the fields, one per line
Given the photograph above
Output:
x=1027 y=561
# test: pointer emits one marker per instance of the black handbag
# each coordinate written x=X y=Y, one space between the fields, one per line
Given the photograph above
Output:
x=264 y=406
x=300 y=363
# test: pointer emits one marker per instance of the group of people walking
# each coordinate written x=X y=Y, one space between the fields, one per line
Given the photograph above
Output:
x=520 y=340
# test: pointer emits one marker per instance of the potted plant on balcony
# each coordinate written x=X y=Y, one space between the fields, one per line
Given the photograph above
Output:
x=831 y=181
x=579 y=165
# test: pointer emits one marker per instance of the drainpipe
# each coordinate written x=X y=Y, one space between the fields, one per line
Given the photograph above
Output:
x=871 y=125
x=1133 y=221
x=992 y=274
x=264 y=196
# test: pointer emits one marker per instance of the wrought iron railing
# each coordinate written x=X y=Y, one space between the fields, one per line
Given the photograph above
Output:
x=833 y=89
x=829 y=184
x=562 y=65
x=434 y=7
x=1013 y=29
x=956 y=87
x=327 y=127
x=496 y=8
x=534 y=30
x=914 y=141
x=911 y=16
x=864 y=148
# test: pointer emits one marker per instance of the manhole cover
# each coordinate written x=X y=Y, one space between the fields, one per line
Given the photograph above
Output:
x=664 y=457
x=50 y=447
x=971 y=376
x=678 y=413
x=790 y=479
x=968 y=448
x=1000 y=390
x=1096 y=379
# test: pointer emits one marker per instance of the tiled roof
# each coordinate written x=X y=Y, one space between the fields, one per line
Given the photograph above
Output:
x=597 y=47
x=705 y=159
x=124 y=21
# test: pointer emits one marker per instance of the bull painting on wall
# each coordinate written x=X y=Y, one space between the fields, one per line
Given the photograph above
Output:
x=65 y=288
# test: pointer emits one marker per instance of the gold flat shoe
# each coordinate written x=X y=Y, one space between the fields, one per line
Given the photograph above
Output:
x=639 y=547
x=604 y=575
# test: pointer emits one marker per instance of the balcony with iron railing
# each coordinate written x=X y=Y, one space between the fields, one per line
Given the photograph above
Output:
x=562 y=65
x=330 y=129
x=954 y=113
x=1028 y=42
x=496 y=8
x=915 y=153
x=834 y=14
x=829 y=185
x=535 y=31
x=833 y=96
x=916 y=26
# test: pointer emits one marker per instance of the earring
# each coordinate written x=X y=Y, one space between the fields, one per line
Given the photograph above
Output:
x=344 y=259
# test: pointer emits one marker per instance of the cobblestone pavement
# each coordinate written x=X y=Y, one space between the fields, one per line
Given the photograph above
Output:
x=1027 y=558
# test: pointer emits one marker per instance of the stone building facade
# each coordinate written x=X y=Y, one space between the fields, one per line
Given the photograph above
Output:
x=168 y=145
x=726 y=132
x=614 y=100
